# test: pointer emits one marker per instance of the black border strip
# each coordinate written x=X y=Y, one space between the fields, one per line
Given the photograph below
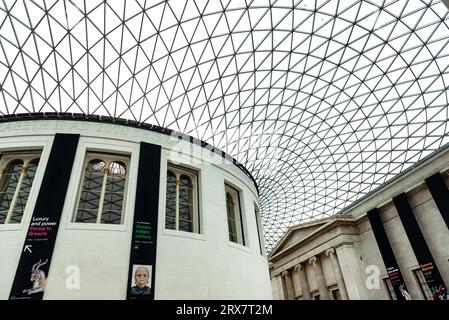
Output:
x=39 y=243
x=144 y=236
x=440 y=195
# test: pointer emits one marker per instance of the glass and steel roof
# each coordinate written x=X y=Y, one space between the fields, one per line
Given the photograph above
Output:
x=322 y=101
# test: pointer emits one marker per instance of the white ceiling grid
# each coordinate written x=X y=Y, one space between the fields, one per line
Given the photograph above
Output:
x=322 y=101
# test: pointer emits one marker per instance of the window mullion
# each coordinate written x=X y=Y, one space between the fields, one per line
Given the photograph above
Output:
x=16 y=194
x=239 y=220
x=195 y=223
x=102 y=196
x=177 y=203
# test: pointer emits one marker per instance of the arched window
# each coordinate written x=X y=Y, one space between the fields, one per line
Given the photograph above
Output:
x=234 y=215
x=181 y=212
x=102 y=192
x=15 y=186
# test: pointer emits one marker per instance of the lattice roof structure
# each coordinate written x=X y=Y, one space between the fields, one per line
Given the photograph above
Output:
x=323 y=101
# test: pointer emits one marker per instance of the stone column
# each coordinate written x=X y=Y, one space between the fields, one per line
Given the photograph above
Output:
x=353 y=276
x=322 y=287
x=275 y=287
x=288 y=280
x=301 y=272
x=281 y=287
x=338 y=275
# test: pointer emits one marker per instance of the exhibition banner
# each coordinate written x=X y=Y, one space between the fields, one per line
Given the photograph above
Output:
x=142 y=265
x=32 y=271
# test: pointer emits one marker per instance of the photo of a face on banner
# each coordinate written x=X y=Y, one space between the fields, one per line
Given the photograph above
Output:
x=141 y=283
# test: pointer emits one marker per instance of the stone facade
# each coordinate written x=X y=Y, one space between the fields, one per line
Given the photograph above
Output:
x=338 y=257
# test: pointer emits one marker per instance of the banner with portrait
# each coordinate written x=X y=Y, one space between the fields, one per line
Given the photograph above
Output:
x=142 y=265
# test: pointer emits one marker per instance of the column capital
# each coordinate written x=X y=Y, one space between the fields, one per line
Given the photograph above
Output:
x=298 y=267
x=330 y=252
x=313 y=260
x=284 y=273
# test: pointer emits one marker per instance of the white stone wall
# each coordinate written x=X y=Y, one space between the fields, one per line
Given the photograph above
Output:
x=189 y=266
x=275 y=288
x=358 y=252
x=227 y=267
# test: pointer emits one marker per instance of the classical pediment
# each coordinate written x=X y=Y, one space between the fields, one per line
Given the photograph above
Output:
x=295 y=234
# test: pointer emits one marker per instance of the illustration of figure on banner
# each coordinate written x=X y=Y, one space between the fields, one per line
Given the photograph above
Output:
x=38 y=278
x=404 y=292
x=140 y=284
